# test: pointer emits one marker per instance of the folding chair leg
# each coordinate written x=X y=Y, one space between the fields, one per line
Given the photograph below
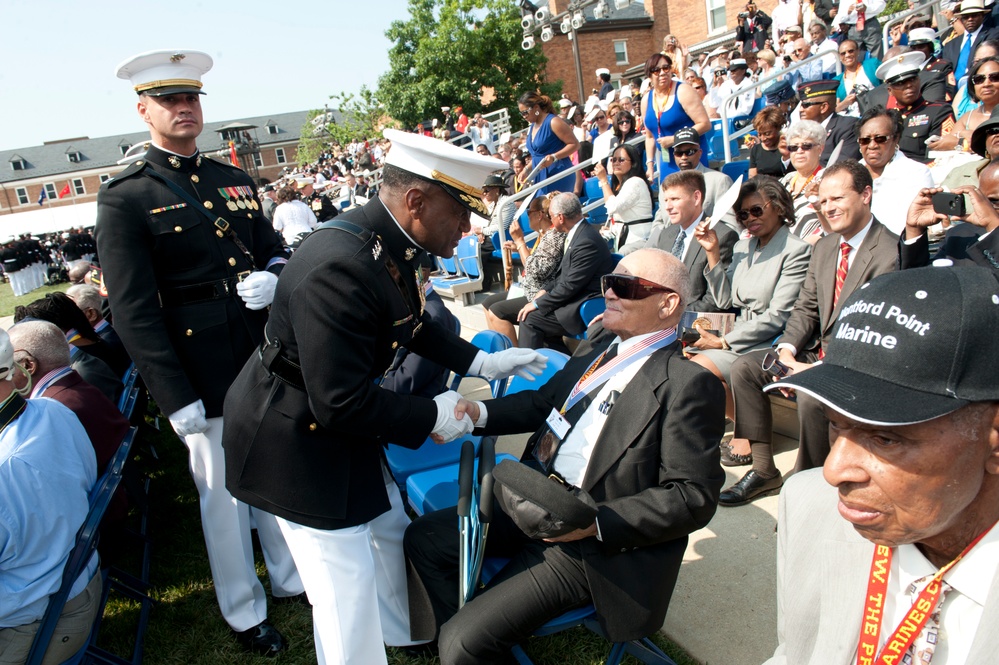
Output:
x=646 y=651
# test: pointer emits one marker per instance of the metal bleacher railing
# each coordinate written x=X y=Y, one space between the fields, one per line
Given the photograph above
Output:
x=728 y=133
x=933 y=6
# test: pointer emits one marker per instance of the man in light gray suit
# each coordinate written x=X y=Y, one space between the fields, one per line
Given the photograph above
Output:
x=913 y=405
x=681 y=210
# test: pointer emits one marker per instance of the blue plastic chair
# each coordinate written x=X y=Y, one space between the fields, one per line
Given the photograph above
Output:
x=735 y=169
x=592 y=191
x=592 y=308
x=489 y=341
x=556 y=361
x=84 y=549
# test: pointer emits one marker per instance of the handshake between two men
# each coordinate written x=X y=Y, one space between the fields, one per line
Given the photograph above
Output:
x=457 y=416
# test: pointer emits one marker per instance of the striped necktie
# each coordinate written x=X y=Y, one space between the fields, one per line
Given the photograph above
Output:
x=844 y=266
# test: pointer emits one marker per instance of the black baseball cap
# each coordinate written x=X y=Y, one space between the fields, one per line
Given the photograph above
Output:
x=909 y=347
x=539 y=505
x=686 y=135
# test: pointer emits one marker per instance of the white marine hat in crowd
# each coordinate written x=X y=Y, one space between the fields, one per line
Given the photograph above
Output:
x=922 y=36
x=564 y=103
x=900 y=67
x=459 y=172
x=603 y=70
x=166 y=72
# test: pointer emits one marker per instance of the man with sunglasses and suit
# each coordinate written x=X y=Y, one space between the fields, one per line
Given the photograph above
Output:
x=857 y=249
x=818 y=103
x=641 y=438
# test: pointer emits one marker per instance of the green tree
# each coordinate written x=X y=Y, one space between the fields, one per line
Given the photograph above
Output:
x=449 y=50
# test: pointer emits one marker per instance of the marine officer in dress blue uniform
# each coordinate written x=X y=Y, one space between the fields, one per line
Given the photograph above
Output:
x=190 y=265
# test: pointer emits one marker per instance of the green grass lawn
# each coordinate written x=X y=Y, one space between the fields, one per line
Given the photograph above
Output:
x=185 y=625
x=8 y=302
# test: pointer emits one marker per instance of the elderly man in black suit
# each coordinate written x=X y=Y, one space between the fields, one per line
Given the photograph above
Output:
x=649 y=459
x=857 y=249
x=683 y=206
x=555 y=312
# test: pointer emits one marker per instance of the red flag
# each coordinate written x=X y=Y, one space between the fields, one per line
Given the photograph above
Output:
x=232 y=155
x=64 y=192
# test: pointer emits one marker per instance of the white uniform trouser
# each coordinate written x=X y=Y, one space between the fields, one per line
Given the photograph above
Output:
x=17 y=282
x=226 y=523
x=356 y=581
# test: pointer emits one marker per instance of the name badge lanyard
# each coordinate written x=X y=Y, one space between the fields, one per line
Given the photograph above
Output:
x=915 y=619
x=40 y=388
x=595 y=376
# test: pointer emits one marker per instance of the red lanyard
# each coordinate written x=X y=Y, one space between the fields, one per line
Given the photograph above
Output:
x=915 y=619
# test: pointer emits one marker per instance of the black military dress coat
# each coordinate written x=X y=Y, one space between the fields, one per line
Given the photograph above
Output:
x=305 y=421
x=171 y=278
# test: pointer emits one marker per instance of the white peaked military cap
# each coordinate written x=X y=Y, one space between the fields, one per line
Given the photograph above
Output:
x=900 y=67
x=603 y=70
x=166 y=72
x=564 y=103
x=922 y=36
x=460 y=172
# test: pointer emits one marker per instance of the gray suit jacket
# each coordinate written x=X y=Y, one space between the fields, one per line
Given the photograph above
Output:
x=663 y=237
x=763 y=286
x=822 y=567
x=813 y=316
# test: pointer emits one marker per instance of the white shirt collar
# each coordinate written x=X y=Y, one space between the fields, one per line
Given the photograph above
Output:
x=408 y=237
x=858 y=239
x=175 y=153
x=572 y=232
x=972 y=576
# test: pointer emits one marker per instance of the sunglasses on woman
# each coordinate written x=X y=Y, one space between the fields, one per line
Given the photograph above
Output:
x=848 y=51
x=979 y=79
x=743 y=215
x=665 y=69
x=804 y=147
x=877 y=138
x=629 y=287
x=620 y=160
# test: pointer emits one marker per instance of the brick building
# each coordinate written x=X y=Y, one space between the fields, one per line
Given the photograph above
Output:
x=628 y=36
x=82 y=164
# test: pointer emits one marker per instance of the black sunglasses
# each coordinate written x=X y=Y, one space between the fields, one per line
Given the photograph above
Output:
x=806 y=105
x=620 y=160
x=659 y=70
x=877 y=138
x=805 y=147
x=685 y=153
x=755 y=211
x=991 y=131
x=979 y=79
x=629 y=287
x=601 y=117
x=848 y=51
x=523 y=114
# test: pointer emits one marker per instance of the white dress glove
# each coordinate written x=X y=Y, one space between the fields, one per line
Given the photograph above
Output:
x=525 y=363
x=447 y=426
x=189 y=419
x=257 y=290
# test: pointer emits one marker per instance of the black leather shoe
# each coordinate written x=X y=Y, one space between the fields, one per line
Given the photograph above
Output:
x=263 y=639
x=300 y=599
x=751 y=486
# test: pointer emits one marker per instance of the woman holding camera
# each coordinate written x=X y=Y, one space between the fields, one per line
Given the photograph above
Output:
x=857 y=77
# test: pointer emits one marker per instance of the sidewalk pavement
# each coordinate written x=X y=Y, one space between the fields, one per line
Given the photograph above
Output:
x=724 y=607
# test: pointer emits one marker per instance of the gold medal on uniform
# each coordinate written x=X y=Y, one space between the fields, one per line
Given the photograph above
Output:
x=239 y=199
x=229 y=203
x=174 y=161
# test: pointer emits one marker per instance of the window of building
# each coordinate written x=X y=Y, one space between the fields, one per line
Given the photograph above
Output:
x=22 y=195
x=18 y=163
x=105 y=177
x=257 y=160
x=716 y=15
x=50 y=191
x=621 y=51
x=74 y=157
x=272 y=129
x=78 y=187
x=279 y=154
x=124 y=147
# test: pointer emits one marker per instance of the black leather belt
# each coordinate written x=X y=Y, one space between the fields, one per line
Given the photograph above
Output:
x=636 y=221
x=203 y=292
x=274 y=362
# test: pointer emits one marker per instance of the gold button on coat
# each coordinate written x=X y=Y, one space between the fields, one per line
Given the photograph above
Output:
x=312 y=427
x=195 y=178
x=178 y=229
x=208 y=204
x=189 y=332
x=232 y=261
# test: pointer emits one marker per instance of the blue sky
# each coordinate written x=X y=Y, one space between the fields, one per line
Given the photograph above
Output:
x=60 y=56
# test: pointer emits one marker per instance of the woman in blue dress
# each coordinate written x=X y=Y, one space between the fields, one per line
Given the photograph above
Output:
x=669 y=105
x=550 y=141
